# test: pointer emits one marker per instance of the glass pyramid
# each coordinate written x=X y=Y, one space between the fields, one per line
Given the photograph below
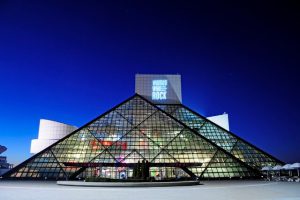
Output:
x=174 y=140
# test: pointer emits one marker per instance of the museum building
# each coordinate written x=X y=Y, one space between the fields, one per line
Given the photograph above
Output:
x=152 y=126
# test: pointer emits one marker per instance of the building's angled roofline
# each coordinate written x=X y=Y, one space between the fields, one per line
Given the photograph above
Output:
x=231 y=133
x=218 y=148
x=80 y=128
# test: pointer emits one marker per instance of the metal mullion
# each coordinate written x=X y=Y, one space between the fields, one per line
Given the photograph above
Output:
x=128 y=120
x=206 y=139
x=59 y=163
x=125 y=134
x=234 y=136
x=106 y=148
x=140 y=130
x=209 y=162
x=133 y=150
x=102 y=146
x=176 y=108
x=233 y=146
x=163 y=148
x=18 y=167
x=202 y=125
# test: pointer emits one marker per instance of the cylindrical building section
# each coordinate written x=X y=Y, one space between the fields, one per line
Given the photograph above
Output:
x=49 y=133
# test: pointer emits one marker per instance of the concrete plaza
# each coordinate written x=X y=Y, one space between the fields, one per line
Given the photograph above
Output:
x=219 y=190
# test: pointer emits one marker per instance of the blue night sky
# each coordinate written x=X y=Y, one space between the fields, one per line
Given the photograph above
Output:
x=70 y=61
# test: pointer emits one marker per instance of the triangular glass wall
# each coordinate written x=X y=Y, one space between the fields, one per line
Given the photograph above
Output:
x=44 y=166
x=221 y=166
x=135 y=130
x=232 y=144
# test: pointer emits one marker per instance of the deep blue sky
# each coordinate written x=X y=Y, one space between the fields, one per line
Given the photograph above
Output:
x=72 y=60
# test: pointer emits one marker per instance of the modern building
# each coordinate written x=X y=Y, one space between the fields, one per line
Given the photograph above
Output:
x=4 y=165
x=153 y=125
x=49 y=133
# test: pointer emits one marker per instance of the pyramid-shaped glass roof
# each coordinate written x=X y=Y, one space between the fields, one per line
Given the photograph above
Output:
x=176 y=142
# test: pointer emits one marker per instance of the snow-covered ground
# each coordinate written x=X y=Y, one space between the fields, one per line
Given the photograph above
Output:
x=219 y=190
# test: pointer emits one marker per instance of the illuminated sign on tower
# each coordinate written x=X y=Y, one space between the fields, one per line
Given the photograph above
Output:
x=159 y=89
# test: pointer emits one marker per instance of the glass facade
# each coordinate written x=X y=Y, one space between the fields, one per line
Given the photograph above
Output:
x=175 y=141
x=231 y=143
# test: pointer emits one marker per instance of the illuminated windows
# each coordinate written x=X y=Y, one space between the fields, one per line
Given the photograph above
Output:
x=174 y=140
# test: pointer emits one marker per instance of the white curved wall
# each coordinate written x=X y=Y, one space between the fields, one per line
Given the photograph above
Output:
x=39 y=144
x=49 y=133
x=54 y=130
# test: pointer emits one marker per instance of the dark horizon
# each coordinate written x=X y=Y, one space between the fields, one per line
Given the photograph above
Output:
x=70 y=61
